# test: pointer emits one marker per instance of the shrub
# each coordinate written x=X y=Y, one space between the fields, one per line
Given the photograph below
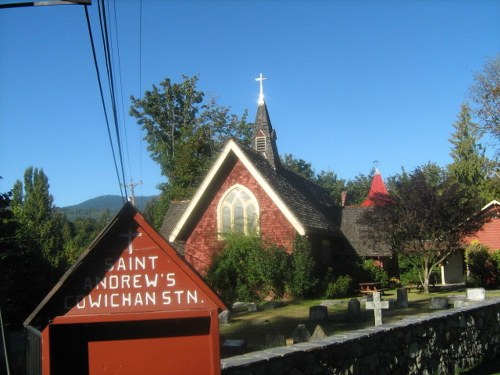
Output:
x=375 y=272
x=245 y=269
x=481 y=265
x=341 y=287
x=302 y=280
x=407 y=270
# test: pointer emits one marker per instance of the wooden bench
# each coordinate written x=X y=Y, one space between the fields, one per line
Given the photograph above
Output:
x=418 y=287
x=367 y=288
x=380 y=290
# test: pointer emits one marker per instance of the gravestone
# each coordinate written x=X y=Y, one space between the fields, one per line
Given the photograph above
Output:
x=275 y=339
x=438 y=303
x=354 y=307
x=377 y=305
x=318 y=333
x=301 y=334
x=402 y=297
x=475 y=294
x=224 y=317
x=318 y=313
x=252 y=307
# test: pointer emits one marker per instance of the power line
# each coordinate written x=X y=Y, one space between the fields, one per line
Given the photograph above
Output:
x=103 y=102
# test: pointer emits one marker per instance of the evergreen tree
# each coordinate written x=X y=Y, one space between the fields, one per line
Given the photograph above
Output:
x=469 y=163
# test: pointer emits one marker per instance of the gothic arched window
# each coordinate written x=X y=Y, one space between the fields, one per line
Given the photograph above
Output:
x=238 y=211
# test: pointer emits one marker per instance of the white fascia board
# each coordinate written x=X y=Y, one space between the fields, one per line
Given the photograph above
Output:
x=199 y=193
x=233 y=146
x=492 y=203
x=270 y=191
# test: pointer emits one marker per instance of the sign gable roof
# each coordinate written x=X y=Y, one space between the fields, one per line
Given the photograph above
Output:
x=128 y=269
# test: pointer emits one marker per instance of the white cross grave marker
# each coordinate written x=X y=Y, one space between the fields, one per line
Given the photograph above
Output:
x=377 y=305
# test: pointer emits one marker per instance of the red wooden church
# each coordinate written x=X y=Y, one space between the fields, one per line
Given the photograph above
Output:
x=247 y=190
x=489 y=235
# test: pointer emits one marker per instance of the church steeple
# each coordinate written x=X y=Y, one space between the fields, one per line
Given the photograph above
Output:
x=264 y=136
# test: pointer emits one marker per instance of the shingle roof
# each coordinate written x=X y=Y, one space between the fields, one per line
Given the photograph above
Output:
x=174 y=213
x=359 y=234
x=311 y=204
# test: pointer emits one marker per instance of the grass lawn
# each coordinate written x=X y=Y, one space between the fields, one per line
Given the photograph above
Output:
x=253 y=326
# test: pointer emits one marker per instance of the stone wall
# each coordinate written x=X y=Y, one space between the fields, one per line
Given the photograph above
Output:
x=437 y=343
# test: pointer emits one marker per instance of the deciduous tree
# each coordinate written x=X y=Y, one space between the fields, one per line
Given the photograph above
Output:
x=425 y=217
x=185 y=132
x=486 y=94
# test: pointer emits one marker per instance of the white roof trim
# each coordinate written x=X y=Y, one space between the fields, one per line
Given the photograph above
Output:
x=492 y=203
x=233 y=146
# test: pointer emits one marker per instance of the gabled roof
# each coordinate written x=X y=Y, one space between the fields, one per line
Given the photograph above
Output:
x=123 y=246
x=492 y=205
x=358 y=234
x=306 y=205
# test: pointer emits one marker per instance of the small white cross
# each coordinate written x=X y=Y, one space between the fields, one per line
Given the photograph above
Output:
x=130 y=235
x=261 y=79
x=377 y=305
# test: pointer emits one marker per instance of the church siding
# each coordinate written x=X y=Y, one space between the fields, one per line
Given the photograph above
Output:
x=203 y=242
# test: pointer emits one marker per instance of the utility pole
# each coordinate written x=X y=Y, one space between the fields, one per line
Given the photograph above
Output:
x=131 y=187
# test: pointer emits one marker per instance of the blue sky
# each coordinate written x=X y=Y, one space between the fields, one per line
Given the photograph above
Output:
x=349 y=82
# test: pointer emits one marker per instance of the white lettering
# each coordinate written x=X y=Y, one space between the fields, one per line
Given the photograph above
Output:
x=139 y=262
x=150 y=297
x=126 y=299
x=113 y=282
x=125 y=281
x=151 y=282
x=96 y=302
x=179 y=294
x=121 y=265
x=192 y=296
x=112 y=297
x=153 y=258
x=137 y=281
x=81 y=302
x=167 y=300
x=138 y=299
x=170 y=279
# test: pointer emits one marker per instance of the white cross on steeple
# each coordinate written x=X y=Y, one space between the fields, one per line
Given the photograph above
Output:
x=261 y=79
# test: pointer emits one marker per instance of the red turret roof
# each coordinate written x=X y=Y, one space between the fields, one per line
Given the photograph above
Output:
x=378 y=187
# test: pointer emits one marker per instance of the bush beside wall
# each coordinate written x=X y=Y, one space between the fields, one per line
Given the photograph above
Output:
x=438 y=343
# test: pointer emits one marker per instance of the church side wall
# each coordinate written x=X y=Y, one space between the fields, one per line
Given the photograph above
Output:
x=274 y=227
x=438 y=343
x=490 y=234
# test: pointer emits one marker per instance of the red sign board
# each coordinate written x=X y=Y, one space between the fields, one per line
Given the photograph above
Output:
x=131 y=304
x=143 y=277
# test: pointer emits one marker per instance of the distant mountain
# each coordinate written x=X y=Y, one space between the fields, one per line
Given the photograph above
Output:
x=96 y=207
